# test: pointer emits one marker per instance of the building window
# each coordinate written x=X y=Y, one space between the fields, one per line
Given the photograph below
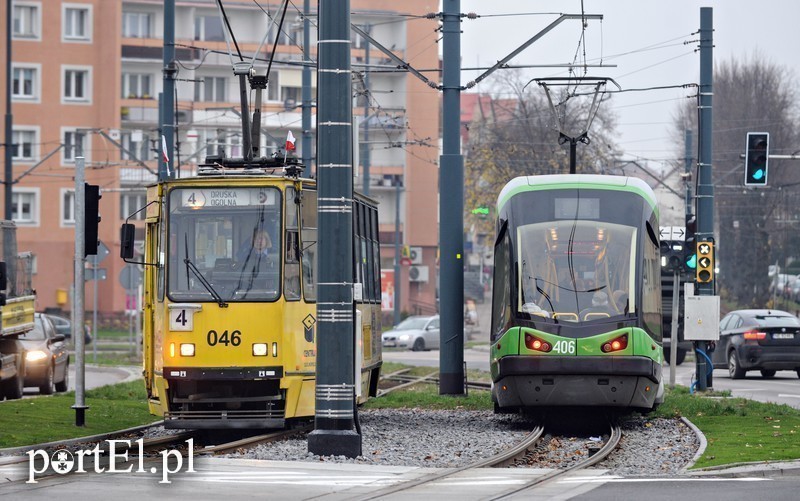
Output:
x=77 y=22
x=75 y=145
x=67 y=207
x=25 y=83
x=25 y=206
x=77 y=84
x=137 y=145
x=208 y=28
x=210 y=89
x=23 y=145
x=136 y=85
x=137 y=24
x=130 y=203
x=26 y=21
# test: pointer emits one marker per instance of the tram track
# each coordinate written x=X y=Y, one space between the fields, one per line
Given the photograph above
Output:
x=514 y=455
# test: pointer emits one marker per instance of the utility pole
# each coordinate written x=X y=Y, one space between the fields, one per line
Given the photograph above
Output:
x=365 y=149
x=78 y=296
x=306 y=92
x=451 y=208
x=334 y=420
x=9 y=171
x=167 y=97
x=397 y=251
x=705 y=185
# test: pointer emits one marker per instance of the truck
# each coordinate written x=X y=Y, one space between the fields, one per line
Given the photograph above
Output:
x=17 y=305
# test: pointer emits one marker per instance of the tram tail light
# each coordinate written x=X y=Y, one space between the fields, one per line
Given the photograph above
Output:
x=259 y=349
x=755 y=335
x=534 y=343
x=616 y=344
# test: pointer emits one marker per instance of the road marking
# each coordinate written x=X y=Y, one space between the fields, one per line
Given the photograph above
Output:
x=788 y=395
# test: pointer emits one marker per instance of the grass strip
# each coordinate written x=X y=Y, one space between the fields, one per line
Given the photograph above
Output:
x=737 y=430
x=45 y=419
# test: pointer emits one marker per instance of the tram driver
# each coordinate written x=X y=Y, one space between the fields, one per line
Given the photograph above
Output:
x=599 y=308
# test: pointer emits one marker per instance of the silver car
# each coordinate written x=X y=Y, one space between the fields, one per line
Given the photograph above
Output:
x=415 y=333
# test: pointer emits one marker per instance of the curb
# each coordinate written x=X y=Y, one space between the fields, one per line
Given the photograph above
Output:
x=763 y=469
x=700 y=450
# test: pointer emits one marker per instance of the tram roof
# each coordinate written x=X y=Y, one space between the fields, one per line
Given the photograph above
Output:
x=575 y=181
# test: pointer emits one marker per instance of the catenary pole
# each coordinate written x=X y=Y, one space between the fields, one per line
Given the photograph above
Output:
x=167 y=114
x=705 y=186
x=334 y=433
x=306 y=91
x=451 y=209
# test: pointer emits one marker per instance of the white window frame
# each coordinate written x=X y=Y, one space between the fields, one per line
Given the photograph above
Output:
x=132 y=201
x=35 y=206
x=87 y=85
x=213 y=81
x=140 y=149
x=37 y=82
x=34 y=145
x=66 y=158
x=36 y=23
x=144 y=19
x=199 y=32
x=129 y=77
x=67 y=220
x=87 y=36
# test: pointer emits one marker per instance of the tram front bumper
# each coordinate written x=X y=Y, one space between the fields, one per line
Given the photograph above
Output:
x=619 y=381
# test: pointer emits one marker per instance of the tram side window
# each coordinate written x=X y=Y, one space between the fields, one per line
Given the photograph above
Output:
x=376 y=254
x=357 y=255
x=651 y=284
x=501 y=294
x=366 y=253
x=308 y=214
x=291 y=280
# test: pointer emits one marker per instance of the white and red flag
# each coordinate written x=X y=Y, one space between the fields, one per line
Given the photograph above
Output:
x=290 y=142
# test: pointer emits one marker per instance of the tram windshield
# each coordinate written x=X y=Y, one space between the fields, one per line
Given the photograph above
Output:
x=576 y=270
x=224 y=244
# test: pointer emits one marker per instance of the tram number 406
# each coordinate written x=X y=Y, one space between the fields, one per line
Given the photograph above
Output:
x=214 y=338
x=564 y=347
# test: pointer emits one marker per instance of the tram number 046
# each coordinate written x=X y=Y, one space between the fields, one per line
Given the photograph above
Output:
x=214 y=338
x=564 y=347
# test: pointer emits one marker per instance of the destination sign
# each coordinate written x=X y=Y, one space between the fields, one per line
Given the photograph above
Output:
x=227 y=197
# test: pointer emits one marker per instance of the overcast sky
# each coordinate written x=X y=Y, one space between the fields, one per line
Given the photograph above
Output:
x=645 y=39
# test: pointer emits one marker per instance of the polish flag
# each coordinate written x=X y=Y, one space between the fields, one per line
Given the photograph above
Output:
x=164 y=149
x=290 y=142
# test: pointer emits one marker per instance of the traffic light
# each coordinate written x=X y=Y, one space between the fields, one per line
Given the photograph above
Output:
x=705 y=262
x=690 y=246
x=671 y=255
x=92 y=219
x=756 y=159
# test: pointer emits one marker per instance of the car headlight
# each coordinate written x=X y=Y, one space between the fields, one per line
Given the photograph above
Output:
x=404 y=337
x=35 y=355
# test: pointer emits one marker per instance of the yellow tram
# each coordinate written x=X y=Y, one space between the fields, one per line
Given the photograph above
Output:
x=229 y=297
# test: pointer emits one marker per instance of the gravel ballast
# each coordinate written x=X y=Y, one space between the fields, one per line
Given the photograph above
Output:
x=447 y=439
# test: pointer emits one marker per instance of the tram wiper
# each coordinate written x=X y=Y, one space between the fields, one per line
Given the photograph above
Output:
x=190 y=266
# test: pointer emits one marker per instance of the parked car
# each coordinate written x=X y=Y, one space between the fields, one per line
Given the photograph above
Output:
x=415 y=333
x=64 y=326
x=764 y=340
x=46 y=357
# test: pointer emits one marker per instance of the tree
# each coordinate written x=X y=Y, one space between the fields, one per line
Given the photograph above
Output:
x=513 y=135
x=753 y=95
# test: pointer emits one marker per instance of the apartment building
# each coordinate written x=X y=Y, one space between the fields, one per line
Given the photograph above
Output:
x=86 y=76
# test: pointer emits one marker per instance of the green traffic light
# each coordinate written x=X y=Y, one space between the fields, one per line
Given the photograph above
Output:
x=692 y=261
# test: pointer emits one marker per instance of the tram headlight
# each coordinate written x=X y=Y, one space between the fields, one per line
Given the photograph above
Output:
x=187 y=349
x=259 y=349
